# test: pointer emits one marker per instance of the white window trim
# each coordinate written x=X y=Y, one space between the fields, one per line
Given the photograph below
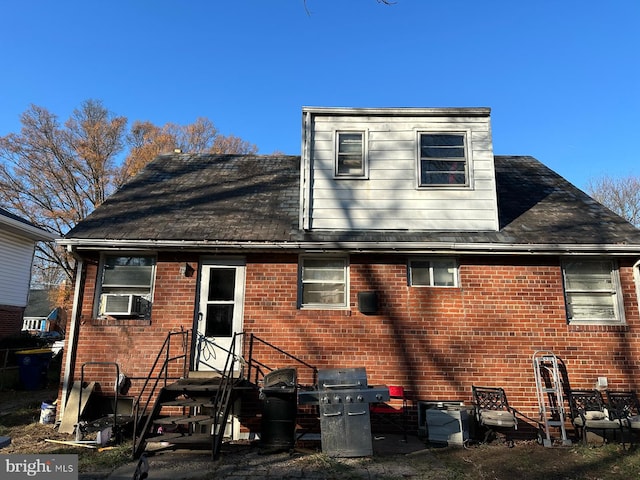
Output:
x=618 y=303
x=365 y=155
x=323 y=306
x=99 y=279
x=467 y=155
x=456 y=274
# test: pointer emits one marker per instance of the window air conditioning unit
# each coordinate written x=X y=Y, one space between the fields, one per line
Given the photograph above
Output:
x=118 y=304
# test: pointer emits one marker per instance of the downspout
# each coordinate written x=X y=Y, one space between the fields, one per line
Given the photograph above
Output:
x=70 y=351
x=636 y=278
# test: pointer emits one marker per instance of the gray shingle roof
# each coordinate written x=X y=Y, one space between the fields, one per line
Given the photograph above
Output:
x=235 y=198
x=202 y=197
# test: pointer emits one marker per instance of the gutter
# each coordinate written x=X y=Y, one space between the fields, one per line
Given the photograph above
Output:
x=357 y=247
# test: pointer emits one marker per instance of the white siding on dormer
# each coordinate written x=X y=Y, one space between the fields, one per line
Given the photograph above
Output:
x=16 y=256
x=390 y=198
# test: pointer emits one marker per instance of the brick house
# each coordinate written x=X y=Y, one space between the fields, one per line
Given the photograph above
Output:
x=18 y=238
x=397 y=241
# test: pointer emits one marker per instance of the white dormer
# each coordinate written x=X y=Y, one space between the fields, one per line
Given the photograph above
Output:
x=398 y=169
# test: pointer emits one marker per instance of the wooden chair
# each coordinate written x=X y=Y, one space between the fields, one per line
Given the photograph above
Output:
x=492 y=412
x=589 y=412
x=393 y=412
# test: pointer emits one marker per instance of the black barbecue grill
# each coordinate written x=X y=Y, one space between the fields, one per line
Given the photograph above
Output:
x=343 y=397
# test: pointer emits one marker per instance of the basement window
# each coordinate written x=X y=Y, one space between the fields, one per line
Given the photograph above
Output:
x=350 y=158
x=323 y=282
x=126 y=283
x=592 y=292
x=442 y=160
x=433 y=272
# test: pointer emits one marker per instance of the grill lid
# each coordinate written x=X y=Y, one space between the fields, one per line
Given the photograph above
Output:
x=342 y=378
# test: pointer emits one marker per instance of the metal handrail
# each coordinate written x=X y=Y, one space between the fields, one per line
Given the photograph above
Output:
x=163 y=375
x=223 y=395
x=115 y=401
x=227 y=376
x=253 y=363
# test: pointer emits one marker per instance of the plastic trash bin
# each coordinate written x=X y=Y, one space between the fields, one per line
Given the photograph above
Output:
x=33 y=366
x=279 y=396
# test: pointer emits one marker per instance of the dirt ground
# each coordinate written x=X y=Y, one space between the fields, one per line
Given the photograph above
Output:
x=20 y=414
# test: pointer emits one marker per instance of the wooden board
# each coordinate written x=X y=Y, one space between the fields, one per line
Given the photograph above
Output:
x=70 y=414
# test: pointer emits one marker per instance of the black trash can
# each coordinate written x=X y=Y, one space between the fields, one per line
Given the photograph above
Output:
x=33 y=367
x=279 y=395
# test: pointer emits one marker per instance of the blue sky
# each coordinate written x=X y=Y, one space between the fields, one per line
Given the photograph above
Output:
x=561 y=77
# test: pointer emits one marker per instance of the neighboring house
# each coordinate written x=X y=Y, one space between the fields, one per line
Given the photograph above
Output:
x=41 y=314
x=398 y=242
x=18 y=238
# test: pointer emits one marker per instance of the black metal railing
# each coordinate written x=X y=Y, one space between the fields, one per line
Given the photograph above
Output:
x=151 y=383
x=260 y=367
x=223 y=394
x=233 y=370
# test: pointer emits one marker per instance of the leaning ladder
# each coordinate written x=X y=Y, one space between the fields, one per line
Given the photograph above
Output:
x=550 y=398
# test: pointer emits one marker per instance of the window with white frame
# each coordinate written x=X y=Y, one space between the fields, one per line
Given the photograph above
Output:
x=126 y=284
x=323 y=282
x=350 y=159
x=433 y=272
x=443 y=160
x=592 y=291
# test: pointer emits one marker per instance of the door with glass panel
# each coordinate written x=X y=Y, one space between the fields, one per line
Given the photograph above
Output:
x=220 y=313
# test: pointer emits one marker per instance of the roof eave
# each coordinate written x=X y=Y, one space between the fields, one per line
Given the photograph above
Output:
x=27 y=230
x=360 y=247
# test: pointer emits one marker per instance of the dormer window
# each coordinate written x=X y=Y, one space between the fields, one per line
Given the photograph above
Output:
x=350 y=155
x=442 y=160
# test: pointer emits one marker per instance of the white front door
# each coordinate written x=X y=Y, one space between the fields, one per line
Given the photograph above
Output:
x=220 y=312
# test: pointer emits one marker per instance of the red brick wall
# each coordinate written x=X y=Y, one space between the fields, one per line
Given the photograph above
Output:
x=435 y=341
x=10 y=320
x=135 y=344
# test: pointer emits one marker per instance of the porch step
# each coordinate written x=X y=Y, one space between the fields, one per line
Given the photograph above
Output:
x=186 y=402
x=195 y=385
x=195 y=440
x=182 y=420
x=203 y=374
x=171 y=420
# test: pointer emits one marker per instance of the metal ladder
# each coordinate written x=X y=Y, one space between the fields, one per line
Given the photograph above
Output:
x=550 y=397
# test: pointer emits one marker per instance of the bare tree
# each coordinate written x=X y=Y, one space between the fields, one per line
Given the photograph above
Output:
x=620 y=195
x=148 y=140
x=55 y=175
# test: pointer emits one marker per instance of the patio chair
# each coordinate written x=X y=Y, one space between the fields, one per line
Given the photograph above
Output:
x=588 y=412
x=624 y=407
x=394 y=411
x=493 y=413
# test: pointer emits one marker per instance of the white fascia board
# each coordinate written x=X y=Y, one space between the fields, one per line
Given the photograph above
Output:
x=361 y=247
x=27 y=230
x=409 y=111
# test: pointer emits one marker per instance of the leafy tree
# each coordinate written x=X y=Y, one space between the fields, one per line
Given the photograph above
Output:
x=620 y=195
x=55 y=174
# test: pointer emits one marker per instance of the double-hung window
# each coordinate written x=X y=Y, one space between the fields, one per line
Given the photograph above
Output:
x=126 y=285
x=592 y=291
x=443 y=160
x=350 y=157
x=323 y=282
x=433 y=272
